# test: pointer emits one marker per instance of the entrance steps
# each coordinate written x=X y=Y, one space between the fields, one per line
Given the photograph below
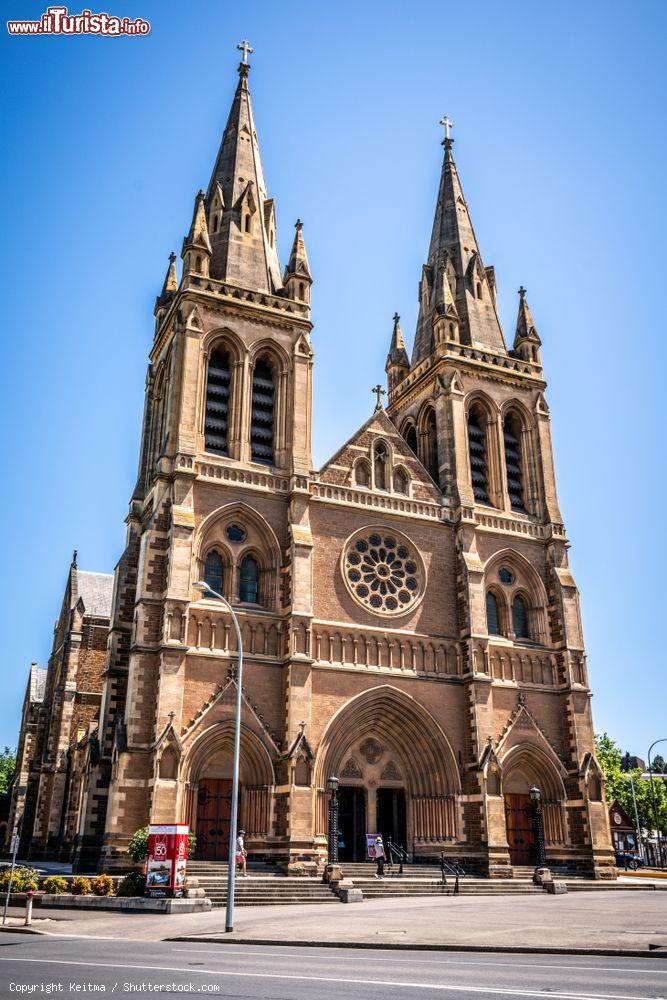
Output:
x=266 y=885
x=271 y=890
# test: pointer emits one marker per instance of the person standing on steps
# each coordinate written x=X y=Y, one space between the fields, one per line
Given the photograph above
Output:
x=241 y=853
x=380 y=857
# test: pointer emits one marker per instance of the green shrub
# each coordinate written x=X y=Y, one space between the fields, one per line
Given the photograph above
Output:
x=54 y=885
x=102 y=885
x=138 y=846
x=132 y=885
x=80 y=886
x=25 y=880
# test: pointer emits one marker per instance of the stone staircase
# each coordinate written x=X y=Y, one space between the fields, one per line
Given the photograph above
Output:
x=264 y=886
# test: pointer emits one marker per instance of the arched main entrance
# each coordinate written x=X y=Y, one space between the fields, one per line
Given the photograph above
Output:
x=208 y=790
x=397 y=773
x=524 y=767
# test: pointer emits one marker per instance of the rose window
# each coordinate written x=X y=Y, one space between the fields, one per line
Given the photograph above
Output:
x=383 y=572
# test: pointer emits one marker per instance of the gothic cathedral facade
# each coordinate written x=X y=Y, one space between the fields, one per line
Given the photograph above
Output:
x=409 y=621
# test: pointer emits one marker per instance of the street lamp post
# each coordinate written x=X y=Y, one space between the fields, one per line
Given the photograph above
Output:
x=536 y=796
x=233 y=823
x=640 y=845
x=655 y=807
x=332 y=786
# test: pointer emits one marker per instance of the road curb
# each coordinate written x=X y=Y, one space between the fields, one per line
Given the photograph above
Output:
x=20 y=930
x=659 y=952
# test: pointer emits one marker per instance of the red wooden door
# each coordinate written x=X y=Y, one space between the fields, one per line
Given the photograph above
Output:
x=214 y=807
x=520 y=824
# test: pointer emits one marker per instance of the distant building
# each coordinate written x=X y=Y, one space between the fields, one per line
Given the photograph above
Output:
x=61 y=712
x=630 y=763
x=623 y=830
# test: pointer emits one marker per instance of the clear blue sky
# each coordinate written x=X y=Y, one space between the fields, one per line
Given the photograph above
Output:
x=561 y=145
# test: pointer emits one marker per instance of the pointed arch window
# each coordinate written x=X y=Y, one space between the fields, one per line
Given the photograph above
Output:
x=263 y=412
x=401 y=482
x=380 y=463
x=362 y=473
x=520 y=618
x=249 y=580
x=512 y=431
x=216 y=426
x=411 y=438
x=214 y=571
x=478 y=455
x=492 y=614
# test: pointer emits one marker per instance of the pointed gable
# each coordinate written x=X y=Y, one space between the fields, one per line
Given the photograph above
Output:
x=341 y=468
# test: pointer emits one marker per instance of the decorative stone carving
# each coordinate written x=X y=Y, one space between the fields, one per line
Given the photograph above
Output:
x=351 y=769
x=391 y=772
x=371 y=750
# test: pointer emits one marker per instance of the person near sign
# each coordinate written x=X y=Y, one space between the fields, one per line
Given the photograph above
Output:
x=241 y=853
x=380 y=857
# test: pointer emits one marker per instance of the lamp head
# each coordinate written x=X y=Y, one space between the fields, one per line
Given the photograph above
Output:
x=332 y=784
x=535 y=794
x=201 y=585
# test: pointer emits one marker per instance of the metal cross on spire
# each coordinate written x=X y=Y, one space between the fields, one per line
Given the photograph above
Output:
x=245 y=48
x=379 y=392
x=448 y=124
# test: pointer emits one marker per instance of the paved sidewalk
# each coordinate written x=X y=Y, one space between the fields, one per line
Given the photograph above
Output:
x=616 y=921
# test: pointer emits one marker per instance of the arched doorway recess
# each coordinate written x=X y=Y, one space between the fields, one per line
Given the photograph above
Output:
x=397 y=773
x=208 y=789
x=525 y=767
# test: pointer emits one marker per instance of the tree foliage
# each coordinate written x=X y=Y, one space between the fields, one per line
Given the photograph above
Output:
x=618 y=786
x=7 y=769
x=658 y=765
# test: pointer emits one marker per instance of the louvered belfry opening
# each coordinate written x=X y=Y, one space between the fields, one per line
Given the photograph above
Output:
x=513 y=462
x=216 y=428
x=492 y=615
x=263 y=411
x=478 y=458
x=431 y=446
x=520 y=625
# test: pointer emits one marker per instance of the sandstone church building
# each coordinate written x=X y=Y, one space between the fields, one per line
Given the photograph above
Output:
x=410 y=624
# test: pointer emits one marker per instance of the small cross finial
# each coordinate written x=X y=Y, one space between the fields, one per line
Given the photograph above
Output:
x=172 y=257
x=448 y=124
x=379 y=392
x=74 y=556
x=172 y=716
x=245 y=48
x=522 y=292
x=298 y=225
x=396 y=319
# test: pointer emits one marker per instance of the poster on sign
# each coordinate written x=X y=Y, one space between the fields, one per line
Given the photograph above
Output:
x=166 y=868
x=371 y=847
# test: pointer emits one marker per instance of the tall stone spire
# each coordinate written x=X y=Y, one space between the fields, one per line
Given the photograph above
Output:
x=169 y=289
x=196 y=251
x=241 y=216
x=297 y=278
x=397 y=365
x=526 y=339
x=454 y=246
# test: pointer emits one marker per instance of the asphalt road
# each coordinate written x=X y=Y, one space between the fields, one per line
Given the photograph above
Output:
x=38 y=966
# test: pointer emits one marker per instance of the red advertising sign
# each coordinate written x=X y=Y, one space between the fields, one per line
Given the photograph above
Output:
x=167 y=860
